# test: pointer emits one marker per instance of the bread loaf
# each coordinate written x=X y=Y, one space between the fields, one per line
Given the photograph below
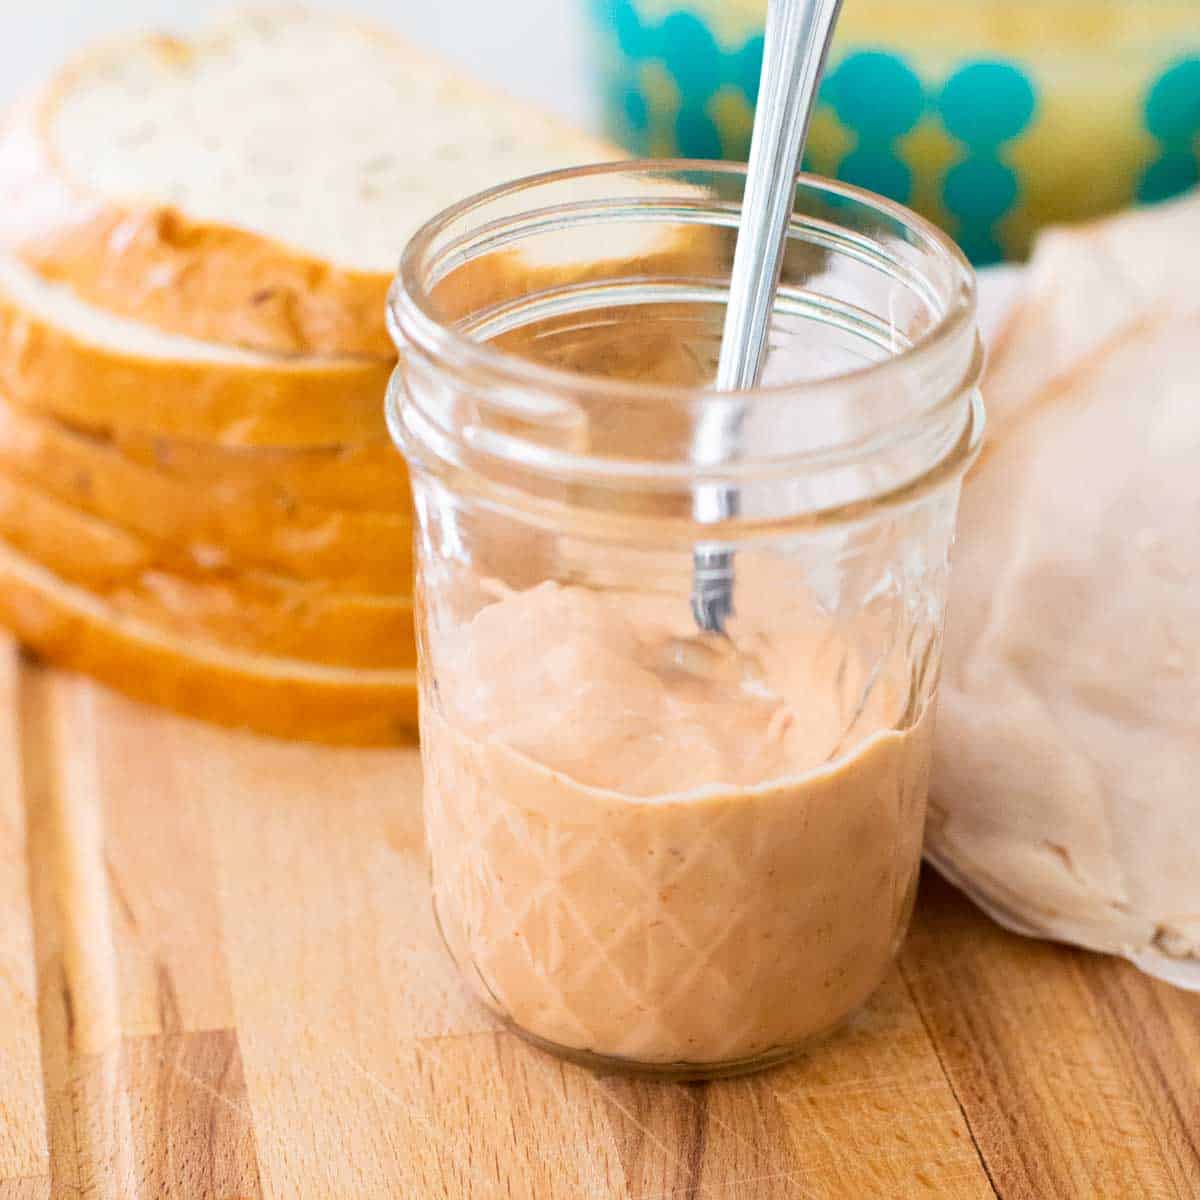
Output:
x=250 y=608
x=208 y=521
x=255 y=185
x=73 y=628
x=61 y=355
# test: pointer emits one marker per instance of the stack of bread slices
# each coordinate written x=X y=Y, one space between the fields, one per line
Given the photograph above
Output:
x=199 y=503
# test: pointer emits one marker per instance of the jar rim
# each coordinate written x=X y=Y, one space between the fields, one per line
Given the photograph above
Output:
x=413 y=319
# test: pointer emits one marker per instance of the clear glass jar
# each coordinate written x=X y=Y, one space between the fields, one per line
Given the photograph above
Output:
x=654 y=848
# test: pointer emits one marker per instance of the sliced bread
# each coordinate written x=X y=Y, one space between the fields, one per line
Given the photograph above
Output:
x=73 y=544
x=60 y=355
x=66 y=470
x=264 y=614
x=365 y=477
x=255 y=185
x=70 y=627
x=254 y=609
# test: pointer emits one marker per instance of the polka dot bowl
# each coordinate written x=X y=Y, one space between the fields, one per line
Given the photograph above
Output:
x=992 y=117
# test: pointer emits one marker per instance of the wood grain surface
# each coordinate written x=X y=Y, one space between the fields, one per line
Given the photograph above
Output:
x=219 y=978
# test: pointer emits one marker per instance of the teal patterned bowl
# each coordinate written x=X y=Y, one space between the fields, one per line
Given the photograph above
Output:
x=992 y=117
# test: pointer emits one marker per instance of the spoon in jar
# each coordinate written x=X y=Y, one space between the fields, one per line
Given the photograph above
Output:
x=798 y=33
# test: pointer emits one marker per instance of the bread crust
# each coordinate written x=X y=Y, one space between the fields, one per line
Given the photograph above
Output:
x=265 y=615
x=365 y=477
x=257 y=610
x=72 y=628
x=151 y=261
x=208 y=525
x=269 y=401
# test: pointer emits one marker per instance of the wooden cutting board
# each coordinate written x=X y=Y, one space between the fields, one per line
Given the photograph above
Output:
x=219 y=978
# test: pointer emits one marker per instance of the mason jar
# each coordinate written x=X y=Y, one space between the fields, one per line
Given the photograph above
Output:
x=658 y=846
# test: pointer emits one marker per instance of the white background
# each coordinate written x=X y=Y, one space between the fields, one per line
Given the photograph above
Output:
x=532 y=48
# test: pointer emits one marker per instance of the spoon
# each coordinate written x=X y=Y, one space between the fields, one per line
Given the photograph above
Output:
x=798 y=34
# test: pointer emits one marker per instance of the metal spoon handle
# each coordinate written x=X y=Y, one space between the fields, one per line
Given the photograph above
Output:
x=797 y=44
x=798 y=34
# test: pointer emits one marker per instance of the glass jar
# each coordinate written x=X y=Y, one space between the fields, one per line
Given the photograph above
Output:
x=682 y=852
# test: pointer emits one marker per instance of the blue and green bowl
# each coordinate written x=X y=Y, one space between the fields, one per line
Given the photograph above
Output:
x=992 y=117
